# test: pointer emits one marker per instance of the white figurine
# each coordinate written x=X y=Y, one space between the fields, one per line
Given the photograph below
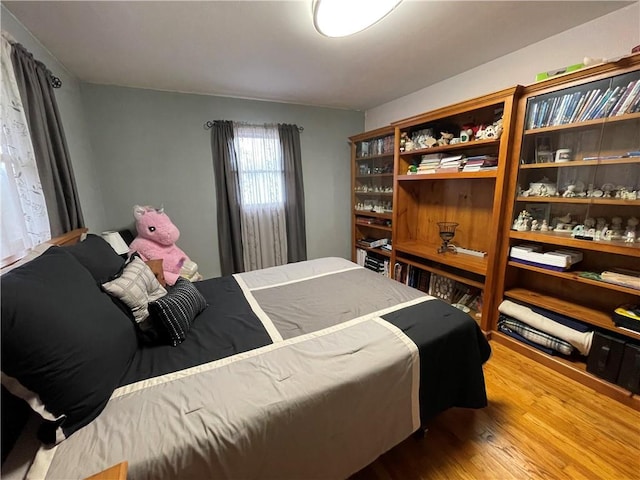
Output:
x=616 y=226
x=544 y=227
x=570 y=191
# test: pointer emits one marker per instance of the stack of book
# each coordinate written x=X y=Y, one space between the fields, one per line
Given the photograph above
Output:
x=378 y=265
x=450 y=164
x=480 y=162
x=372 y=242
x=429 y=163
x=558 y=260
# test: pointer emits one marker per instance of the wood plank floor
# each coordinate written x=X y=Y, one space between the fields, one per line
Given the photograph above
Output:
x=538 y=425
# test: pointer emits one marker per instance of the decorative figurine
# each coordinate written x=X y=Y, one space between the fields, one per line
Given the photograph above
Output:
x=544 y=227
x=570 y=191
x=578 y=231
x=445 y=138
x=589 y=222
x=616 y=227
x=607 y=188
x=404 y=136
x=534 y=225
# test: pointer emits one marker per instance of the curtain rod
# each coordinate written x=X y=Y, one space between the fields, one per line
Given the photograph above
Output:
x=208 y=124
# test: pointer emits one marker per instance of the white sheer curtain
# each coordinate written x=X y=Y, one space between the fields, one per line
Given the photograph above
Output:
x=24 y=220
x=261 y=178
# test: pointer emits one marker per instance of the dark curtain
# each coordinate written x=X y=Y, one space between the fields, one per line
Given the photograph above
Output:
x=49 y=143
x=225 y=166
x=294 y=193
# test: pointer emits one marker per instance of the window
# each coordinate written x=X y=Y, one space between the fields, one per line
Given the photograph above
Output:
x=260 y=166
x=24 y=219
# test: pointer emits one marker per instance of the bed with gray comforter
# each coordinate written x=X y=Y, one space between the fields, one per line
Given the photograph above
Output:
x=309 y=370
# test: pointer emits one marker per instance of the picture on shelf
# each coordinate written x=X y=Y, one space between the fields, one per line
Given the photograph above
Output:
x=544 y=152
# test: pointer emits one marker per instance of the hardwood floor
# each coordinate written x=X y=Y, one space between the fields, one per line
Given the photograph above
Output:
x=539 y=424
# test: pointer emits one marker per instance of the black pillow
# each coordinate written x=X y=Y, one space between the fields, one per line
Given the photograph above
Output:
x=174 y=313
x=65 y=345
x=97 y=256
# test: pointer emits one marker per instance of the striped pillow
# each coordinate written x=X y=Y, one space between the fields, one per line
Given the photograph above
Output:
x=175 y=312
x=136 y=287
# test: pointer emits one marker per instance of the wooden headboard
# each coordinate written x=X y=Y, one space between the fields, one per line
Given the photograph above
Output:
x=69 y=238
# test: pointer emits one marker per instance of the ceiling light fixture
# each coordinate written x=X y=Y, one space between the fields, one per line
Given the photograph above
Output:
x=339 y=18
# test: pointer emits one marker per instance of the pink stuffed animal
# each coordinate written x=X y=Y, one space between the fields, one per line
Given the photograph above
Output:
x=157 y=237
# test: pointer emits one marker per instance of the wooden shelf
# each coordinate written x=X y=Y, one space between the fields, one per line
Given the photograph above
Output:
x=588 y=315
x=573 y=368
x=580 y=200
x=462 y=261
x=598 y=122
x=574 y=277
x=444 y=176
x=375 y=175
x=388 y=194
x=582 y=163
x=452 y=148
x=366 y=213
x=379 y=250
x=373 y=225
x=444 y=273
x=379 y=171
x=619 y=247
x=373 y=157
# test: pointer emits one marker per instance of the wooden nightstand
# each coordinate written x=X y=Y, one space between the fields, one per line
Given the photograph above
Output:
x=117 y=472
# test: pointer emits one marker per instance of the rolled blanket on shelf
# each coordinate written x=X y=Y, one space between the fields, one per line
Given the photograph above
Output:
x=580 y=340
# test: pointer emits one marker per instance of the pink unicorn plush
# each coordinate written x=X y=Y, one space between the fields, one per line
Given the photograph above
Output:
x=157 y=237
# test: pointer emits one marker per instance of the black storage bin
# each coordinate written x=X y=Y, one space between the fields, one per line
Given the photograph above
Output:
x=629 y=376
x=605 y=357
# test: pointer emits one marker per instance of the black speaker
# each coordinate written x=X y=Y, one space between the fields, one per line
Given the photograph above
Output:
x=629 y=376
x=605 y=357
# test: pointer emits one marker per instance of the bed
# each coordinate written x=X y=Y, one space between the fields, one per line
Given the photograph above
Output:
x=308 y=370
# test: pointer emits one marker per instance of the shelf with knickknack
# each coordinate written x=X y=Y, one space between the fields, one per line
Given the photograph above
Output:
x=454 y=286
x=450 y=165
x=372 y=163
x=571 y=235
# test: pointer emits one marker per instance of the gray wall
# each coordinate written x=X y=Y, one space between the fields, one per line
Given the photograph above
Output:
x=70 y=104
x=150 y=148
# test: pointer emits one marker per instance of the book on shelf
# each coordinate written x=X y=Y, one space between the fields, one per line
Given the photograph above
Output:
x=623 y=97
x=628 y=99
x=450 y=164
x=577 y=109
x=588 y=104
x=377 y=265
x=479 y=162
x=373 y=242
x=412 y=276
x=601 y=109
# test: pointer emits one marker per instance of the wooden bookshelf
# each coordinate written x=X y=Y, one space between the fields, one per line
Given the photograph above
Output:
x=587 y=300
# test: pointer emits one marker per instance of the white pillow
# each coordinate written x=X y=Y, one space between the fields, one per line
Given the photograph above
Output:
x=136 y=287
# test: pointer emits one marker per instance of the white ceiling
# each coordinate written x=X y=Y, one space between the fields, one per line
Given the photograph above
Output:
x=269 y=49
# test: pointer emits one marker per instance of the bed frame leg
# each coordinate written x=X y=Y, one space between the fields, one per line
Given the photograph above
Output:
x=421 y=433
